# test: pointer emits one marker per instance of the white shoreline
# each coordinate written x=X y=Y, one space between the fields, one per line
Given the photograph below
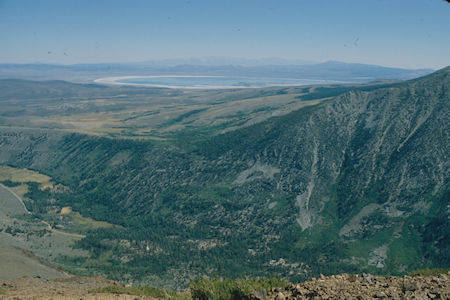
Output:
x=115 y=81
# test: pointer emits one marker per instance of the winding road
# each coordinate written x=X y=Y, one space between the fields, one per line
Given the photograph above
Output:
x=17 y=197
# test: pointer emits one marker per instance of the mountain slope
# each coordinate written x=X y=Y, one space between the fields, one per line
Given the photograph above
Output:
x=360 y=182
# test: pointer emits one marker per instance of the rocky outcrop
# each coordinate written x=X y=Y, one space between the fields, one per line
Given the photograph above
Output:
x=365 y=286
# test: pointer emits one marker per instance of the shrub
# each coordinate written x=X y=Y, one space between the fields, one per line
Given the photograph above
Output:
x=141 y=291
x=228 y=289
x=429 y=272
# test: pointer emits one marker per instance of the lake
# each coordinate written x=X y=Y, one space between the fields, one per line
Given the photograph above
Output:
x=213 y=82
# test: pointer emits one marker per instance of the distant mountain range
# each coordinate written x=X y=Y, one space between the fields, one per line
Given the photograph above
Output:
x=339 y=71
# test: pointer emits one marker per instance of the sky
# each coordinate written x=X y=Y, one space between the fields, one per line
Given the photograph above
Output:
x=397 y=33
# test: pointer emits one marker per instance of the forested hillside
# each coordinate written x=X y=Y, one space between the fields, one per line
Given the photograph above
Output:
x=359 y=182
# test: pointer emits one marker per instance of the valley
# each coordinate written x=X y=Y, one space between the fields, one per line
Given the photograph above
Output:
x=139 y=113
x=154 y=185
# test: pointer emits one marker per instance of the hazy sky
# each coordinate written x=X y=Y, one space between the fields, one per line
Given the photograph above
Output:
x=401 y=33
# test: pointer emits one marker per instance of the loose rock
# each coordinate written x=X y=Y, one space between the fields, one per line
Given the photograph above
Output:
x=366 y=286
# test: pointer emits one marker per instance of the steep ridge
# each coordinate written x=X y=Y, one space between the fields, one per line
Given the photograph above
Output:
x=360 y=182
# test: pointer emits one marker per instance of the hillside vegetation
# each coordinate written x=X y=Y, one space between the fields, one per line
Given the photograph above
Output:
x=358 y=182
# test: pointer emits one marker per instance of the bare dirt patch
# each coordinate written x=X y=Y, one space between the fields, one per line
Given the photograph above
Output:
x=59 y=288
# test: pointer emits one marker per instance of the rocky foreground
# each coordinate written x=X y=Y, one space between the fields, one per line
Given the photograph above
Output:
x=365 y=286
x=345 y=286
x=59 y=288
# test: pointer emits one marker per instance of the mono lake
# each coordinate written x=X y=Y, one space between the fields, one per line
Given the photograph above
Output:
x=208 y=82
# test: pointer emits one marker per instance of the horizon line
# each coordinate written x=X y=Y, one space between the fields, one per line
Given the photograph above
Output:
x=165 y=63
